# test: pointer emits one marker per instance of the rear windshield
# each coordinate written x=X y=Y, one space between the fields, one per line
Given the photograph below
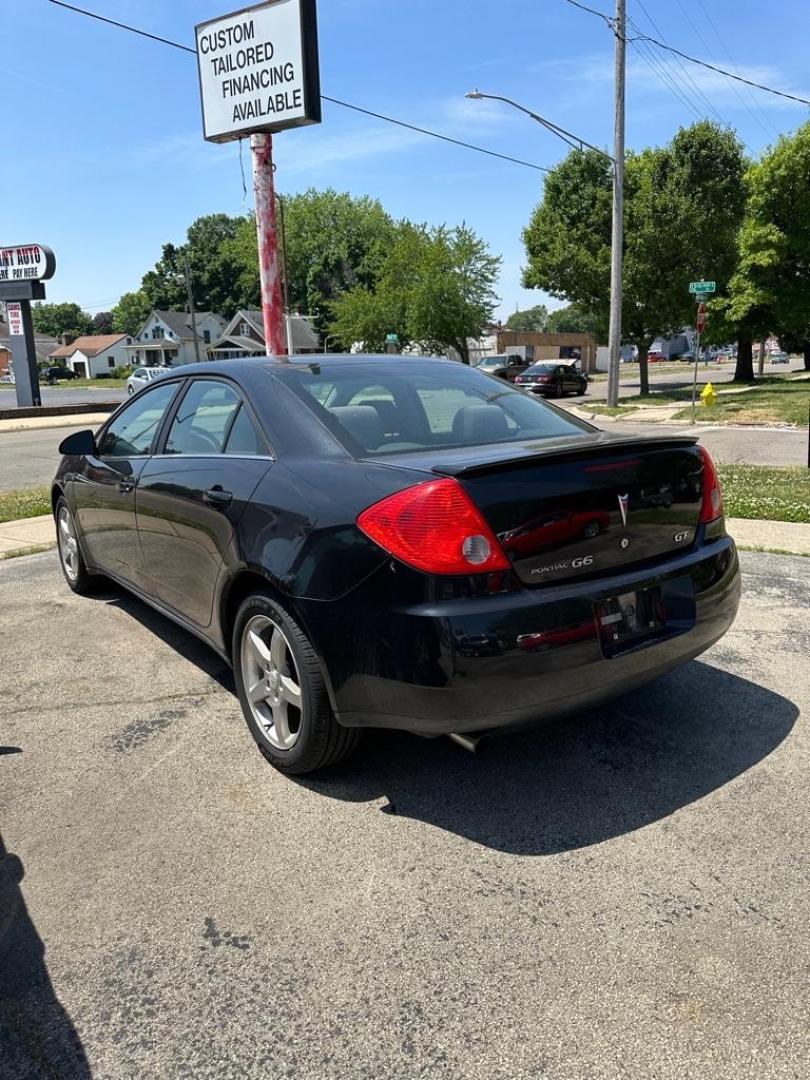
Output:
x=407 y=405
x=539 y=369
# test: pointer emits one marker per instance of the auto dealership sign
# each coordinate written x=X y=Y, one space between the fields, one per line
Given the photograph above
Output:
x=259 y=70
x=26 y=262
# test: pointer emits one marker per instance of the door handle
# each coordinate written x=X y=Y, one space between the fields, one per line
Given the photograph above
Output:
x=126 y=485
x=217 y=498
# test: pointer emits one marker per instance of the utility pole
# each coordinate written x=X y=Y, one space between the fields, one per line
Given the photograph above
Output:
x=261 y=146
x=617 y=242
x=191 y=310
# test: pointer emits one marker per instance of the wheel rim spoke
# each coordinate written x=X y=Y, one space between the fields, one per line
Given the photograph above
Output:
x=278 y=650
x=257 y=692
x=281 y=725
x=259 y=648
x=290 y=692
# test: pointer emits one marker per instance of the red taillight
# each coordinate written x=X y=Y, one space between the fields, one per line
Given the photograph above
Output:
x=712 y=508
x=434 y=527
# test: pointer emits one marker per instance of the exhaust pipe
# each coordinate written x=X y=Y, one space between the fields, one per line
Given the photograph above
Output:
x=468 y=742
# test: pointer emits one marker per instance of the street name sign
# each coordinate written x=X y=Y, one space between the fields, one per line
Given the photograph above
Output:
x=26 y=262
x=259 y=70
x=700 y=287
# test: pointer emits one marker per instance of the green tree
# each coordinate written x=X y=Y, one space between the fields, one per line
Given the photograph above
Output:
x=770 y=290
x=532 y=320
x=216 y=272
x=334 y=242
x=683 y=207
x=103 y=323
x=131 y=312
x=574 y=319
x=435 y=287
x=57 y=319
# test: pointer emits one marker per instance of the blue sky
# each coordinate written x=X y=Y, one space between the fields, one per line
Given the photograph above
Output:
x=104 y=158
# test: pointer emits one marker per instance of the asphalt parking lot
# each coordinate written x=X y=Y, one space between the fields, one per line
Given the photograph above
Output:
x=619 y=895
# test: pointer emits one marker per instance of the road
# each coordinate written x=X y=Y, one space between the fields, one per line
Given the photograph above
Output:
x=623 y=894
x=680 y=378
x=63 y=395
x=29 y=458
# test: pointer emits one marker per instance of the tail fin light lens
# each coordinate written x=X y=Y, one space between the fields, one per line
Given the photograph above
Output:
x=434 y=527
x=712 y=508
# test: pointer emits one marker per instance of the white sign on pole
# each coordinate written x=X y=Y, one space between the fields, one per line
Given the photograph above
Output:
x=259 y=70
x=15 y=320
x=26 y=262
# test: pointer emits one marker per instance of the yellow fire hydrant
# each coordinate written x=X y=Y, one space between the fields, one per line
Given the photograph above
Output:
x=708 y=395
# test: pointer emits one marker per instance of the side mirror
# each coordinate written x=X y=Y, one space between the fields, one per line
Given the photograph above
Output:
x=80 y=443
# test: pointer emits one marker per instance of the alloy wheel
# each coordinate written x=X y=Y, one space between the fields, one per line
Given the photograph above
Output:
x=68 y=544
x=272 y=683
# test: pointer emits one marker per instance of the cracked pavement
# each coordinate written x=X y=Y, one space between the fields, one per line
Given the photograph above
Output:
x=620 y=895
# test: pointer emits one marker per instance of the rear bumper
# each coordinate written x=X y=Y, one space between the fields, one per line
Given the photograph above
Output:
x=509 y=659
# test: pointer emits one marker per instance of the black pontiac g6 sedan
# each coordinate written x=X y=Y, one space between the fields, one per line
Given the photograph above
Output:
x=408 y=543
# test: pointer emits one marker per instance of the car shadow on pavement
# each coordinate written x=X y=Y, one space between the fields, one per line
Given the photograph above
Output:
x=37 y=1037
x=579 y=781
x=182 y=641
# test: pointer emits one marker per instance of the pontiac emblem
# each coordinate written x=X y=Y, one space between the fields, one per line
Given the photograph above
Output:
x=623 y=501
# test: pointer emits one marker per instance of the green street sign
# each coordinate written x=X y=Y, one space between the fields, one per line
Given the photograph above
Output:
x=700 y=287
x=392 y=339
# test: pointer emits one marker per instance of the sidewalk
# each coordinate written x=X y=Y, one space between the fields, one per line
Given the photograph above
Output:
x=29 y=423
x=790 y=537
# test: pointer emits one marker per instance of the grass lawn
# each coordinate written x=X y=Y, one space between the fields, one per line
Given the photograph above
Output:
x=79 y=384
x=757 y=491
x=30 y=502
x=772 y=400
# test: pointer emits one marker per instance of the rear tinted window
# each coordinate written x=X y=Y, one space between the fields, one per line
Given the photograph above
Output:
x=404 y=405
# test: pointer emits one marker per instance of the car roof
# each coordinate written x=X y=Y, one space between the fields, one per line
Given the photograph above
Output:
x=249 y=365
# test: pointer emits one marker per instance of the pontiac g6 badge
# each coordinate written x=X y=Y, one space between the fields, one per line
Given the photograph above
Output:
x=623 y=501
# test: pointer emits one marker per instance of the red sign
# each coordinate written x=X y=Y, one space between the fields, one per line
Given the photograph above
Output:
x=701 y=318
x=15 y=320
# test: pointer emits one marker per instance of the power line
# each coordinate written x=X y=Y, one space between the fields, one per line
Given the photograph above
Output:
x=693 y=59
x=324 y=97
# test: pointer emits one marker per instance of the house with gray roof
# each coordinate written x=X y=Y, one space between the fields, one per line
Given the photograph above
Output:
x=166 y=339
x=244 y=336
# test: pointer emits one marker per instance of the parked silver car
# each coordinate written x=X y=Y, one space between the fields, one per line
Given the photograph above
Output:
x=143 y=376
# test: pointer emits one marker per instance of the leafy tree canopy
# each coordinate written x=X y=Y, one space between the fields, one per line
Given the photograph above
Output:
x=131 y=312
x=683 y=207
x=57 y=319
x=435 y=287
x=103 y=323
x=573 y=319
x=532 y=320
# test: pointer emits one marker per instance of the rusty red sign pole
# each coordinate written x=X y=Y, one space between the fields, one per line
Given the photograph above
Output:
x=261 y=146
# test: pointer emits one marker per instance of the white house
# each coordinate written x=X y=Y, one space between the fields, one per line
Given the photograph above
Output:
x=166 y=338
x=92 y=355
x=244 y=336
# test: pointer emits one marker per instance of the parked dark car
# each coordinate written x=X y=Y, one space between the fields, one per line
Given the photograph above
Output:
x=508 y=366
x=330 y=527
x=551 y=379
x=53 y=374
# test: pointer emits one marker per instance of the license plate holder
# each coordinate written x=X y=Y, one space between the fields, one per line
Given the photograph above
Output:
x=630 y=619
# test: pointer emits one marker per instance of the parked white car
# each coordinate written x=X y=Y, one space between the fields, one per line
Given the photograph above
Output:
x=142 y=376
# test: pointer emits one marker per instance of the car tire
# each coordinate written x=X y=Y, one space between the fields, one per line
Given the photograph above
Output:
x=71 y=560
x=282 y=691
x=559 y=391
x=130 y=390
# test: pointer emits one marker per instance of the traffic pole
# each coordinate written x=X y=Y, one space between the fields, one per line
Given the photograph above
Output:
x=700 y=323
x=617 y=239
x=261 y=147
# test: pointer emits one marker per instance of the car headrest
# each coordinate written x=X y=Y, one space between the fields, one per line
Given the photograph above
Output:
x=387 y=412
x=362 y=422
x=480 y=424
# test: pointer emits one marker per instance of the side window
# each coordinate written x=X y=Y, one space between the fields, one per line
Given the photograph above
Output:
x=131 y=433
x=203 y=419
x=243 y=438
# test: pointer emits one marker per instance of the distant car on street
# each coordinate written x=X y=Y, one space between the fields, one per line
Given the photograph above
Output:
x=779 y=357
x=52 y=375
x=508 y=366
x=143 y=376
x=553 y=380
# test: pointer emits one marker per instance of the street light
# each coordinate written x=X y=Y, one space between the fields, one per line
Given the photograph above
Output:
x=617 y=163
